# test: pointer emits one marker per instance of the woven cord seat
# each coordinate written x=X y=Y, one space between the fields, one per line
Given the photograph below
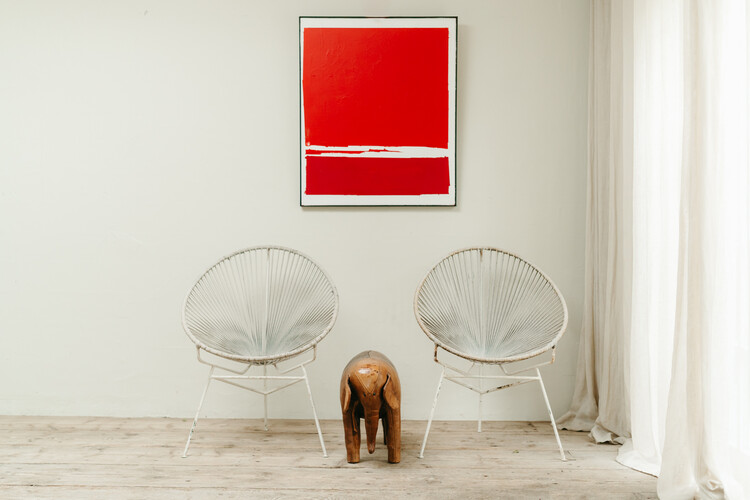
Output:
x=259 y=307
x=490 y=307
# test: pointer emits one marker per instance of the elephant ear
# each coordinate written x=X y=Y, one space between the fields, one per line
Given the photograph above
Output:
x=346 y=395
x=389 y=393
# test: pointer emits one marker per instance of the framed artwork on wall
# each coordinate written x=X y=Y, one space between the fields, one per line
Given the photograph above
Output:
x=378 y=111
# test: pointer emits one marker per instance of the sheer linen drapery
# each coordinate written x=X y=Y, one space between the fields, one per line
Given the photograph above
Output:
x=664 y=364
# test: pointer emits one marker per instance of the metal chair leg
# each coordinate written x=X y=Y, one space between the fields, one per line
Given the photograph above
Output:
x=315 y=414
x=195 y=420
x=479 y=421
x=479 y=383
x=265 y=399
x=551 y=417
x=432 y=414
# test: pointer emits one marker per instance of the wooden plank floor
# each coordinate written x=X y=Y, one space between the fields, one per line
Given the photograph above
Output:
x=116 y=458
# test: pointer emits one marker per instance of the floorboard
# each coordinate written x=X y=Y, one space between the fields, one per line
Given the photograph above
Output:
x=118 y=458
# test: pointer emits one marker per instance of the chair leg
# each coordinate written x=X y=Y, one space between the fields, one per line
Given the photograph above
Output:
x=551 y=417
x=432 y=414
x=315 y=414
x=479 y=421
x=479 y=418
x=195 y=420
x=265 y=399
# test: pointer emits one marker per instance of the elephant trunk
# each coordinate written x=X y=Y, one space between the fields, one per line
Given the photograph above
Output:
x=371 y=428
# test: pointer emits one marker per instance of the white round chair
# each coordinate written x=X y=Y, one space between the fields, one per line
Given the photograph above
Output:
x=492 y=308
x=256 y=308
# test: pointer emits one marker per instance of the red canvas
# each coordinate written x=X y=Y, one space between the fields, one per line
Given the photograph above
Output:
x=378 y=107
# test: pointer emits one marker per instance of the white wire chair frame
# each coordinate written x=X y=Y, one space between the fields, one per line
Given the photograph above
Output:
x=492 y=308
x=258 y=307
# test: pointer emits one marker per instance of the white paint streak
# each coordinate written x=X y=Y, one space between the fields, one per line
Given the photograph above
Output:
x=379 y=151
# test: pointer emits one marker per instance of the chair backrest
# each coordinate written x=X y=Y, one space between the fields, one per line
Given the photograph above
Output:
x=489 y=305
x=261 y=305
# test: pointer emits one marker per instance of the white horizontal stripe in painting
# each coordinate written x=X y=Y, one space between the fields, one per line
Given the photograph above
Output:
x=378 y=151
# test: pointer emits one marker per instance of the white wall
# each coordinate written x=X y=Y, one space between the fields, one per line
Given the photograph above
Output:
x=141 y=141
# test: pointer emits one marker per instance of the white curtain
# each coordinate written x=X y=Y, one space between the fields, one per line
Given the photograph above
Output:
x=665 y=350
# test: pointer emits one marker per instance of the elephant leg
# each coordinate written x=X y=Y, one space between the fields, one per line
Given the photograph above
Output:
x=350 y=437
x=394 y=435
x=385 y=430
x=357 y=440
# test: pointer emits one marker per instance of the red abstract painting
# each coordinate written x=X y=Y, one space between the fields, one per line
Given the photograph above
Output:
x=378 y=111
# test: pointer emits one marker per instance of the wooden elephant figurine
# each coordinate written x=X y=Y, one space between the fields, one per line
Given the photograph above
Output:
x=370 y=389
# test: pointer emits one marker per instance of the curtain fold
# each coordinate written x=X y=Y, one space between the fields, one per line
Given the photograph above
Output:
x=600 y=402
x=706 y=450
x=664 y=361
